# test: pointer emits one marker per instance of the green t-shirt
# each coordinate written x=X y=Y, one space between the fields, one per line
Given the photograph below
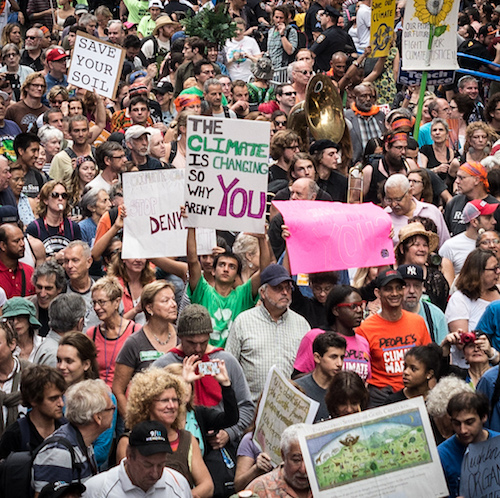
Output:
x=137 y=9
x=146 y=26
x=194 y=90
x=223 y=310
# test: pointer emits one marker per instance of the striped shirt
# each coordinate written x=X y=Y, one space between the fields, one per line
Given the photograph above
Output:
x=53 y=462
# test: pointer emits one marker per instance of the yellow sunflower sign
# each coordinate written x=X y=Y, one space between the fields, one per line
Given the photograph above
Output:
x=429 y=35
x=382 y=27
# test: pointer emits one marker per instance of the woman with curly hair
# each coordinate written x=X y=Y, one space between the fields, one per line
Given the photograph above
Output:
x=53 y=227
x=158 y=395
x=479 y=137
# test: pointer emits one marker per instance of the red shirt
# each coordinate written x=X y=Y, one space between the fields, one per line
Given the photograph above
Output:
x=17 y=282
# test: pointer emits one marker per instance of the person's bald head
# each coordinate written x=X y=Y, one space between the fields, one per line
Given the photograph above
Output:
x=440 y=108
x=304 y=189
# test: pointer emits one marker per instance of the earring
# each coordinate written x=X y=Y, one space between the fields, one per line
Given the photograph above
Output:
x=250 y=265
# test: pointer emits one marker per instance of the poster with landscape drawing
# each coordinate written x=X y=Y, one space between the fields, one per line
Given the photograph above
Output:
x=387 y=451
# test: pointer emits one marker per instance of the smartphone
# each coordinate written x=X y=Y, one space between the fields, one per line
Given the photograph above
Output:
x=208 y=368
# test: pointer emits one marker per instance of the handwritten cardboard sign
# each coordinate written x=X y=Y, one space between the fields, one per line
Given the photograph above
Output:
x=281 y=405
x=96 y=65
x=226 y=173
x=382 y=27
x=340 y=236
x=386 y=451
x=416 y=55
x=154 y=227
x=480 y=476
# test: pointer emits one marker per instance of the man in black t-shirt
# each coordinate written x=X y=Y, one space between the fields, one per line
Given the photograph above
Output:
x=42 y=389
x=26 y=147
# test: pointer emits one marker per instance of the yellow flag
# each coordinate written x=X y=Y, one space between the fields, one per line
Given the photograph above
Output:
x=382 y=27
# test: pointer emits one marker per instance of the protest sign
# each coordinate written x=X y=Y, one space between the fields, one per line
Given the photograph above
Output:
x=281 y=405
x=340 y=236
x=382 y=27
x=226 y=173
x=96 y=65
x=480 y=476
x=154 y=227
x=386 y=451
x=430 y=35
x=433 y=77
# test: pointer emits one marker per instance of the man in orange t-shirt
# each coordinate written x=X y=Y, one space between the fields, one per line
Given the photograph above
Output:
x=390 y=334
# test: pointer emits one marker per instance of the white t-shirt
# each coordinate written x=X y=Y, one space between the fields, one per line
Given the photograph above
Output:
x=99 y=183
x=149 y=47
x=363 y=21
x=457 y=249
x=240 y=69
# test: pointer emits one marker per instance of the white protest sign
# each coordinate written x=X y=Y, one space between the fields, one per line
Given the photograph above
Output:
x=154 y=227
x=430 y=35
x=226 y=173
x=96 y=65
x=388 y=451
x=281 y=405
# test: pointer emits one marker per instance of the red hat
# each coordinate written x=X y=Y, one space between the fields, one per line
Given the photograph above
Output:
x=56 y=54
x=477 y=207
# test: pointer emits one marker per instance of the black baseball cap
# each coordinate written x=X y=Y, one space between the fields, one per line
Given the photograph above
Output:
x=59 y=489
x=8 y=214
x=274 y=275
x=414 y=272
x=388 y=276
x=150 y=437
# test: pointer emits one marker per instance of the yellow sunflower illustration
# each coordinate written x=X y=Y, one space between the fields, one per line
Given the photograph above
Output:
x=432 y=11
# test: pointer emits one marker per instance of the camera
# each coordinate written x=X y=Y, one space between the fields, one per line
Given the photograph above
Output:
x=467 y=337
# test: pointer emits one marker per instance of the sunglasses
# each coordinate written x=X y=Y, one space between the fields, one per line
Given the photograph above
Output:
x=305 y=72
x=289 y=94
x=56 y=195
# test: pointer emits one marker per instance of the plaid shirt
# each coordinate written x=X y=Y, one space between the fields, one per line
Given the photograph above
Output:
x=369 y=128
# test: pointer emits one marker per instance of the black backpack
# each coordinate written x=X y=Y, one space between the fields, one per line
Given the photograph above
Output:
x=158 y=53
x=15 y=470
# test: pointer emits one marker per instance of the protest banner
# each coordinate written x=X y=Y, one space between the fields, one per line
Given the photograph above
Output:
x=340 y=236
x=281 y=405
x=154 y=227
x=386 y=451
x=433 y=77
x=96 y=65
x=480 y=475
x=226 y=173
x=382 y=27
x=430 y=35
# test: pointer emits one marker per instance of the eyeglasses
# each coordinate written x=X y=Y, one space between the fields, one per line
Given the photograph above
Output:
x=38 y=85
x=32 y=37
x=490 y=242
x=118 y=194
x=166 y=401
x=280 y=123
x=56 y=195
x=305 y=72
x=353 y=306
x=18 y=180
x=12 y=54
x=415 y=181
x=118 y=157
x=322 y=290
x=388 y=200
x=289 y=94
x=293 y=147
x=496 y=269
x=110 y=409
x=100 y=302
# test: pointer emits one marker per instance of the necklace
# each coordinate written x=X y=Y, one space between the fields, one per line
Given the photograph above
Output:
x=161 y=343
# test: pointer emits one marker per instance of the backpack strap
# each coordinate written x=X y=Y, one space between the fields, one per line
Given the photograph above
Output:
x=37 y=223
x=430 y=321
x=64 y=442
x=94 y=333
x=71 y=153
x=24 y=427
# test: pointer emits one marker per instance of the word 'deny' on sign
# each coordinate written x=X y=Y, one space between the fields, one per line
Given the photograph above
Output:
x=154 y=226
x=340 y=235
x=226 y=174
x=96 y=65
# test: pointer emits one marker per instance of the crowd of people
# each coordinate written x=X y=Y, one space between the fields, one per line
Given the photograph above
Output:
x=143 y=376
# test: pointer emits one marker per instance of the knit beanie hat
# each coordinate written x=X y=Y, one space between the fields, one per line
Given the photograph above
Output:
x=194 y=320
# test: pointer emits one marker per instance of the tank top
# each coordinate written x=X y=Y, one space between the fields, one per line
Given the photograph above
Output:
x=180 y=460
x=29 y=257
